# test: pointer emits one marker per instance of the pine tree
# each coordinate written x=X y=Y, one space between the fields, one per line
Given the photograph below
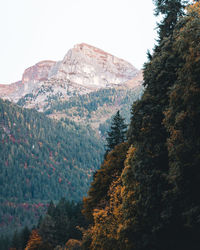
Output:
x=51 y=208
x=16 y=241
x=117 y=133
x=47 y=230
x=171 y=10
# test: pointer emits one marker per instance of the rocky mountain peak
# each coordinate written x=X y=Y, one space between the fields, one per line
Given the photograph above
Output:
x=83 y=69
x=38 y=72
x=89 y=66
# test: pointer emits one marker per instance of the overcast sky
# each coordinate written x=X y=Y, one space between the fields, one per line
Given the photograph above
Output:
x=35 y=30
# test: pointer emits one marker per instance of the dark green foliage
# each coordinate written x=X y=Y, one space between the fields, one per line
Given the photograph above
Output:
x=150 y=163
x=92 y=108
x=148 y=134
x=14 y=215
x=20 y=239
x=16 y=241
x=25 y=233
x=161 y=181
x=117 y=133
x=182 y=120
x=171 y=10
x=51 y=209
x=40 y=160
x=4 y=242
x=60 y=223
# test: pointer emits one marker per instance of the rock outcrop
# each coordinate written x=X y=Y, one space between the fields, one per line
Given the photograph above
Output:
x=38 y=72
x=83 y=69
x=91 y=67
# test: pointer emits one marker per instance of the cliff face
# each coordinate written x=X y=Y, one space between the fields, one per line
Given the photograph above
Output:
x=83 y=69
x=92 y=67
x=38 y=72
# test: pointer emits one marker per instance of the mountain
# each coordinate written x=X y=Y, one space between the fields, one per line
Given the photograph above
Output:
x=41 y=160
x=88 y=86
x=84 y=69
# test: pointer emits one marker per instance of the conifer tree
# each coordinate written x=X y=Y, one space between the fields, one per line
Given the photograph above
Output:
x=117 y=133
x=51 y=209
x=16 y=241
x=171 y=10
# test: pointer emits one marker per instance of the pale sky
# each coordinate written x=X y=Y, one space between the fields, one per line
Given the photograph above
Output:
x=36 y=30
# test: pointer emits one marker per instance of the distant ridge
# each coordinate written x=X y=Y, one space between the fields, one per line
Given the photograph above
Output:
x=83 y=69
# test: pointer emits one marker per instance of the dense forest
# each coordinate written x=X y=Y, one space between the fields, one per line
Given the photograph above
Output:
x=41 y=160
x=152 y=200
x=145 y=195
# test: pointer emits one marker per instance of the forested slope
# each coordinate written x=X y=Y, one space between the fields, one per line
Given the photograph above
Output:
x=154 y=203
x=41 y=159
x=145 y=196
x=96 y=108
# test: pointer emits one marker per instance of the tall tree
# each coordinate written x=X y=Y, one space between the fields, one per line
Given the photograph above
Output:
x=117 y=133
x=171 y=10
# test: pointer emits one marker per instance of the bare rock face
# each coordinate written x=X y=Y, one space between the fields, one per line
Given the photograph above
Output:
x=83 y=69
x=38 y=72
x=31 y=77
x=91 y=67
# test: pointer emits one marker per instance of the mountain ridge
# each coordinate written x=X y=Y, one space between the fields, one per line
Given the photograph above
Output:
x=83 y=69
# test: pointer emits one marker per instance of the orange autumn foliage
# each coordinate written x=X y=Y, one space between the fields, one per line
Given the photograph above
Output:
x=105 y=233
x=35 y=241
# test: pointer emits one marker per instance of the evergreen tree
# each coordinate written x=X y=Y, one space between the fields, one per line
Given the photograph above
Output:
x=117 y=133
x=51 y=208
x=16 y=241
x=60 y=223
x=4 y=242
x=171 y=10
x=47 y=231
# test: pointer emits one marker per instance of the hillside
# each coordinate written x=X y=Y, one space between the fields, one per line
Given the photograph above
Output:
x=53 y=153
x=42 y=159
x=88 y=86
x=95 y=109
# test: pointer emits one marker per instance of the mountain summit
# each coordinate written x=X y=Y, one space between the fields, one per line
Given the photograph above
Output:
x=83 y=69
x=91 y=67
